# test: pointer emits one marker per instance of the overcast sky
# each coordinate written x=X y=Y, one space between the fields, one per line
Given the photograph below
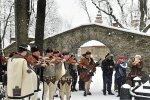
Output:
x=71 y=11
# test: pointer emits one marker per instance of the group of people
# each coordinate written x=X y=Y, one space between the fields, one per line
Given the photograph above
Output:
x=59 y=71
x=55 y=70
x=120 y=66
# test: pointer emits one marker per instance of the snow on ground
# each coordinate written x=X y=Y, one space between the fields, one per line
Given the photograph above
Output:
x=96 y=90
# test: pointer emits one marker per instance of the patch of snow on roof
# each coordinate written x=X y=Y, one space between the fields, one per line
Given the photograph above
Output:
x=92 y=43
x=9 y=44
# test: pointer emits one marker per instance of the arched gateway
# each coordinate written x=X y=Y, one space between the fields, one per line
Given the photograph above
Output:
x=119 y=41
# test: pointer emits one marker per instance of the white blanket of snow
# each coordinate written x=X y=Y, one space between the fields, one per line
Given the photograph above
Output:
x=96 y=90
x=141 y=90
x=92 y=43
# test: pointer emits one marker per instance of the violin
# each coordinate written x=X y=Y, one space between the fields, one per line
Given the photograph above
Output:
x=44 y=59
x=72 y=61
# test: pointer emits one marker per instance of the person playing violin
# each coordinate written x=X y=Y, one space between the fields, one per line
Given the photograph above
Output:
x=66 y=79
x=73 y=71
x=37 y=66
x=20 y=82
x=49 y=78
x=87 y=63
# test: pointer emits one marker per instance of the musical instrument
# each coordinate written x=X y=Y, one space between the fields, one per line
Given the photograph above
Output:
x=72 y=61
x=88 y=72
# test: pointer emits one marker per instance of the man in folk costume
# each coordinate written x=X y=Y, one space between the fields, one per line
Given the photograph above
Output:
x=73 y=64
x=66 y=80
x=37 y=66
x=49 y=78
x=19 y=77
x=81 y=82
x=88 y=65
x=58 y=66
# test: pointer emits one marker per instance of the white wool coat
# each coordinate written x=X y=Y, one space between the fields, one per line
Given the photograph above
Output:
x=17 y=75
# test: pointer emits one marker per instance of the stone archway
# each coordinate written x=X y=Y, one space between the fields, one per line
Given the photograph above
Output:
x=119 y=41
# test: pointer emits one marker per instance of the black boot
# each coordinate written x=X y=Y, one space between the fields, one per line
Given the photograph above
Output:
x=89 y=93
x=110 y=93
x=118 y=95
x=84 y=94
x=104 y=92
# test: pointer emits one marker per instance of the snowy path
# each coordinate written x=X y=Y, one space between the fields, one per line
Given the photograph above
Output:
x=96 y=90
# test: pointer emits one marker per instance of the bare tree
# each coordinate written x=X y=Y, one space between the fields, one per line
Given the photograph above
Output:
x=5 y=19
x=143 y=11
x=85 y=8
x=121 y=4
x=6 y=23
x=54 y=22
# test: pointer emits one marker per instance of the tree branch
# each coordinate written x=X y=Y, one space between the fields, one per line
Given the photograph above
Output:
x=6 y=24
x=113 y=16
x=146 y=28
x=84 y=5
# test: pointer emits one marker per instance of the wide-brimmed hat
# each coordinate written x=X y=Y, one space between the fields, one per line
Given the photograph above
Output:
x=88 y=53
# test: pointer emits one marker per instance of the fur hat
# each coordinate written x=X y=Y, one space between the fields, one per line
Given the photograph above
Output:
x=138 y=56
x=34 y=49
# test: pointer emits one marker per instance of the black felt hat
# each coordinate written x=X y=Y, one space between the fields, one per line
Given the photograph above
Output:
x=88 y=53
x=23 y=47
x=65 y=53
x=49 y=50
x=34 y=49
x=55 y=52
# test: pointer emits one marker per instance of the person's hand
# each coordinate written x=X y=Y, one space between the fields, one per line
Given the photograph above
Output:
x=76 y=64
x=111 y=66
x=38 y=63
x=53 y=60
x=63 y=60
x=44 y=65
x=84 y=66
